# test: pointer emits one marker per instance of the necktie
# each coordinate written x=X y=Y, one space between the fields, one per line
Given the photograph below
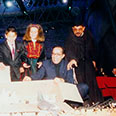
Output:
x=13 y=52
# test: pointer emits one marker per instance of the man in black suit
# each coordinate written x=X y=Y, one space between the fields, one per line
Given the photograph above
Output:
x=12 y=53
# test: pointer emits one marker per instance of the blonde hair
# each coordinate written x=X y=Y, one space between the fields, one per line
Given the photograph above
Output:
x=40 y=36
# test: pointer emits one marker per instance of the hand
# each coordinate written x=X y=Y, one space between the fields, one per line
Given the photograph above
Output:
x=39 y=64
x=57 y=79
x=26 y=66
x=2 y=66
x=21 y=70
x=114 y=71
x=94 y=64
x=71 y=63
x=27 y=78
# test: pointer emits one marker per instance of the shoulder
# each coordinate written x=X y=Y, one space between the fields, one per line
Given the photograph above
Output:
x=47 y=63
x=3 y=43
x=65 y=61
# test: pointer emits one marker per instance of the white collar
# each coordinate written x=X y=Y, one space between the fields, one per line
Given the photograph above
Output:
x=33 y=40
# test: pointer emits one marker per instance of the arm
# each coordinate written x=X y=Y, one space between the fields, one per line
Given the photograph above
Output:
x=42 y=53
x=2 y=53
x=24 y=53
x=42 y=56
x=39 y=75
x=2 y=65
x=69 y=76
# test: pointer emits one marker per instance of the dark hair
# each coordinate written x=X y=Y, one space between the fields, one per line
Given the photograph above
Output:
x=63 y=50
x=10 y=28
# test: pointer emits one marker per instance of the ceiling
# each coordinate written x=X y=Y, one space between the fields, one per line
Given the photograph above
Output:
x=23 y=12
x=47 y=12
x=27 y=6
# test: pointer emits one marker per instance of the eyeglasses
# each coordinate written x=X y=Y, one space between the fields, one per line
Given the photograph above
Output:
x=56 y=54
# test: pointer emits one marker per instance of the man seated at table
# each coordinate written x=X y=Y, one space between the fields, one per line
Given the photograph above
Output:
x=56 y=68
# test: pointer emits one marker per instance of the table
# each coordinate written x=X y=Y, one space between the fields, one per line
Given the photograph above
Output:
x=107 y=86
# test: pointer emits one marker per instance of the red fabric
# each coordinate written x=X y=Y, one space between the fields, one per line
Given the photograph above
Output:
x=107 y=85
x=34 y=50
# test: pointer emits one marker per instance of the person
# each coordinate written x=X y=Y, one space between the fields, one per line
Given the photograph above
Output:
x=56 y=68
x=12 y=53
x=34 y=44
x=114 y=72
x=80 y=52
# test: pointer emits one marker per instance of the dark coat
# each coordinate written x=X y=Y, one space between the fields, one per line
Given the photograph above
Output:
x=47 y=71
x=82 y=49
x=6 y=58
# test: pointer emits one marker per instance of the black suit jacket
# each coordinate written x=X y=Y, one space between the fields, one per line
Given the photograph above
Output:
x=6 y=58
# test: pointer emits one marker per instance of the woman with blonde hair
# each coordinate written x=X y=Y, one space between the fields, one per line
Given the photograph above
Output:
x=34 y=44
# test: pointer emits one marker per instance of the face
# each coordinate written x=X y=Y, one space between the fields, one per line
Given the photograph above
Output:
x=33 y=32
x=114 y=71
x=57 y=55
x=78 y=30
x=11 y=36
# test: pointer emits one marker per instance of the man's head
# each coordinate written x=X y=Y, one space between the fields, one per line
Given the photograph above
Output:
x=78 y=30
x=57 y=54
x=11 y=34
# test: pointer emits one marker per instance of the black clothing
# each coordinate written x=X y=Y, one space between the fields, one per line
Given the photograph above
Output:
x=6 y=58
x=82 y=50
